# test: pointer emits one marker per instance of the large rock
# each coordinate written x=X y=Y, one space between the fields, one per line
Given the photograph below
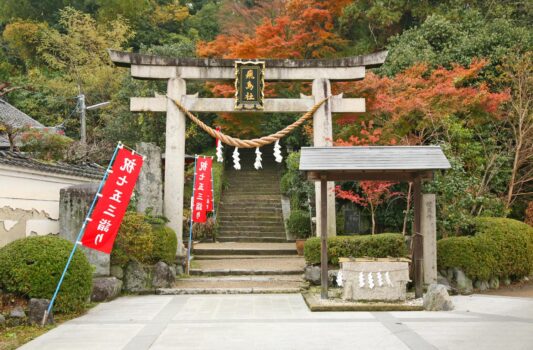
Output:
x=137 y=278
x=437 y=298
x=17 y=312
x=74 y=203
x=463 y=284
x=150 y=183
x=117 y=271
x=494 y=283
x=37 y=308
x=312 y=274
x=444 y=281
x=163 y=276
x=481 y=285
x=106 y=288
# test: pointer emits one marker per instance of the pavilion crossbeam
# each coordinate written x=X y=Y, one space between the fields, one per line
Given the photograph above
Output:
x=272 y=105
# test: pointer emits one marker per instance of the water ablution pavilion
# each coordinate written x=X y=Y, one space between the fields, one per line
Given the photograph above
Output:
x=322 y=163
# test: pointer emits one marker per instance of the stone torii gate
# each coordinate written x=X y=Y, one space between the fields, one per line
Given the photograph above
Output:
x=178 y=70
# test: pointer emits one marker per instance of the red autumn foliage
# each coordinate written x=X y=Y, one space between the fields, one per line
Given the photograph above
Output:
x=428 y=95
x=374 y=193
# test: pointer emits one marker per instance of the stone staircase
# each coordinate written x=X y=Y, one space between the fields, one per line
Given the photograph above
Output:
x=242 y=268
x=250 y=207
x=252 y=254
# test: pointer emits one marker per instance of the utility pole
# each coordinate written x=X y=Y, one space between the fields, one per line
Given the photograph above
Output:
x=83 y=121
x=83 y=110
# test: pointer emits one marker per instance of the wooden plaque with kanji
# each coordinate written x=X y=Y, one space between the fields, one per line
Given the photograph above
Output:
x=249 y=84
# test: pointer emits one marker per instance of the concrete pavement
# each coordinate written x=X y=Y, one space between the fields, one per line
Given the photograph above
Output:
x=256 y=322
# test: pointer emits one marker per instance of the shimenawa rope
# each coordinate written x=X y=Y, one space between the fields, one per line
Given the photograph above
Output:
x=254 y=143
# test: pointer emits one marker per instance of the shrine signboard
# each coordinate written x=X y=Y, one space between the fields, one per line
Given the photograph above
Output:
x=249 y=85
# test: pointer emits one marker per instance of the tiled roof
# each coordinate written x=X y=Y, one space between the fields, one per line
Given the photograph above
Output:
x=16 y=159
x=16 y=118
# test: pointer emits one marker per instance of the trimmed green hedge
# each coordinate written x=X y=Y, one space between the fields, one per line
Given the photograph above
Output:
x=377 y=246
x=500 y=248
x=32 y=267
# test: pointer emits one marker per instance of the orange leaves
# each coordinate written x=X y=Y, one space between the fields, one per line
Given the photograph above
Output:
x=305 y=31
x=428 y=95
x=374 y=193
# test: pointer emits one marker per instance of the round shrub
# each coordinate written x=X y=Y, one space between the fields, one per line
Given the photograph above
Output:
x=500 y=248
x=165 y=244
x=135 y=240
x=382 y=245
x=299 y=224
x=144 y=238
x=32 y=267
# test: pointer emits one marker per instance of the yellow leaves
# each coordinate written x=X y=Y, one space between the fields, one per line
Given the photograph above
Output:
x=170 y=13
x=84 y=41
x=23 y=36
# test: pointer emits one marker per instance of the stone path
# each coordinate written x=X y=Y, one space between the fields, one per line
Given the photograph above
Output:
x=283 y=322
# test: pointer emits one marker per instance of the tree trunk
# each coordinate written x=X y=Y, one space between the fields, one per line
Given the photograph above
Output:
x=373 y=215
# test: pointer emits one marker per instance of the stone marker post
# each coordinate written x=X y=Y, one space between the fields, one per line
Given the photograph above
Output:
x=323 y=137
x=429 y=235
x=74 y=203
x=149 y=187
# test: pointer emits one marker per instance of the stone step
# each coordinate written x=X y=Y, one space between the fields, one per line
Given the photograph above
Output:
x=246 y=221
x=256 y=226
x=228 y=257
x=252 y=231
x=241 y=248
x=250 y=239
x=250 y=200
x=226 y=235
x=253 y=197
x=245 y=216
x=247 y=224
x=236 y=285
x=245 y=266
x=244 y=272
x=251 y=211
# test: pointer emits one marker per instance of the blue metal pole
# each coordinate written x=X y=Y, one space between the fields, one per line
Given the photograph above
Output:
x=80 y=234
x=191 y=223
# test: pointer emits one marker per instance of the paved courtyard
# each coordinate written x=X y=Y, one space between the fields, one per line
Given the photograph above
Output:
x=255 y=322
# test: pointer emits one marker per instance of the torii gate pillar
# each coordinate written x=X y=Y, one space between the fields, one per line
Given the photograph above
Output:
x=323 y=137
x=175 y=159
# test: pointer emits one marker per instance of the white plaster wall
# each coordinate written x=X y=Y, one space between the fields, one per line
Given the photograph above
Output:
x=29 y=202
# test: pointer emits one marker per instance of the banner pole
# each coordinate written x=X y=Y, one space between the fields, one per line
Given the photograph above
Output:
x=80 y=234
x=191 y=223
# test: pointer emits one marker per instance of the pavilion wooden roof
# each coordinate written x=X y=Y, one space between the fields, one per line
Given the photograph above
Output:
x=394 y=163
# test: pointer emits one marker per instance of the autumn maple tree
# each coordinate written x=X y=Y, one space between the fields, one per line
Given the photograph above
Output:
x=373 y=193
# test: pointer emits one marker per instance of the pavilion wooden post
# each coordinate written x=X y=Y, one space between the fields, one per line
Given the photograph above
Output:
x=418 y=253
x=323 y=238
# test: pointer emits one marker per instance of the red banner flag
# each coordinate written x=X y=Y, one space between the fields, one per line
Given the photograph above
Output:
x=202 y=185
x=113 y=200
x=209 y=193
